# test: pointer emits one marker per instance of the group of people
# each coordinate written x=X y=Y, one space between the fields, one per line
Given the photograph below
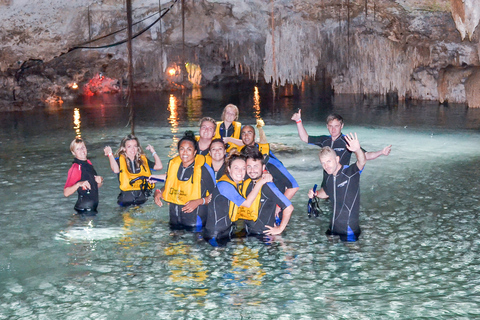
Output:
x=226 y=184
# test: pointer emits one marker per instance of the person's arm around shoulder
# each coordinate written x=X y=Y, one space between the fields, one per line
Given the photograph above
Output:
x=158 y=162
x=113 y=163
x=374 y=155
x=302 y=133
x=267 y=177
x=353 y=144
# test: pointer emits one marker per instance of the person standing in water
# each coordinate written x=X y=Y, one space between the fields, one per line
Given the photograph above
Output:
x=83 y=179
x=207 y=131
x=342 y=186
x=216 y=157
x=133 y=169
x=188 y=184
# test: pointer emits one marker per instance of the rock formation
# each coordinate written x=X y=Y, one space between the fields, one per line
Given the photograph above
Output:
x=415 y=49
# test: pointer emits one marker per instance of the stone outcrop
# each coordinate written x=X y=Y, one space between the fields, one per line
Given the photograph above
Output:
x=414 y=49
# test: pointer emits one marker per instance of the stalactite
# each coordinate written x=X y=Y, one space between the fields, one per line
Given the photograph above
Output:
x=466 y=14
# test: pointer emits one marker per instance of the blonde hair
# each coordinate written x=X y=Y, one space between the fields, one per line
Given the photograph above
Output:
x=75 y=143
x=234 y=107
x=121 y=151
x=326 y=151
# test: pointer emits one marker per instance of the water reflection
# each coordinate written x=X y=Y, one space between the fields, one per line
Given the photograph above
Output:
x=173 y=121
x=76 y=123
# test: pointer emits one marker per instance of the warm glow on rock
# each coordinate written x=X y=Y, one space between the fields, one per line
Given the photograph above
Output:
x=171 y=71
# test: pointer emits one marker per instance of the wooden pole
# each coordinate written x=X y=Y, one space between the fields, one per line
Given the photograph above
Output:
x=130 y=66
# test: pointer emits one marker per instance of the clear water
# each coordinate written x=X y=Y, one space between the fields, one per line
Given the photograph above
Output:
x=418 y=255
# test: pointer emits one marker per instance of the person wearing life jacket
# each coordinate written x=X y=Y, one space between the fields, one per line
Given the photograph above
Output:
x=188 y=185
x=226 y=199
x=216 y=158
x=260 y=217
x=207 y=131
x=229 y=128
x=283 y=180
x=133 y=169
x=83 y=179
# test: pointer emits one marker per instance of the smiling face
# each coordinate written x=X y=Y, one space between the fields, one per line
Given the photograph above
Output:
x=80 y=151
x=217 y=151
x=255 y=169
x=237 y=170
x=335 y=128
x=230 y=114
x=330 y=163
x=131 y=149
x=187 y=152
x=207 y=130
x=248 y=135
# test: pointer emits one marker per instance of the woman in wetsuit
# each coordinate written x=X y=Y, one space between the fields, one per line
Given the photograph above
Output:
x=188 y=184
x=226 y=198
x=130 y=163
x=82 y=178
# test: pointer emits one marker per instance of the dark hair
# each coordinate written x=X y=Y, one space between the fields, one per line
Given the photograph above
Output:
x=188 y=136
x=215 y=141
x=232 y=156
x=252 y=152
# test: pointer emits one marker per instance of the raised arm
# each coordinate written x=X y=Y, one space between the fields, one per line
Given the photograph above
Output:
x=354 y=145
x=374 y=155
x=158 y=162
x=113 y=163
x=302 y=133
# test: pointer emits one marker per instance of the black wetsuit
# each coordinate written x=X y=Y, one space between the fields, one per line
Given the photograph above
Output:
x=87 y=199
x=344 y=192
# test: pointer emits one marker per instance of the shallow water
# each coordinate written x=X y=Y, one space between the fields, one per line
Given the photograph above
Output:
x=418 y=255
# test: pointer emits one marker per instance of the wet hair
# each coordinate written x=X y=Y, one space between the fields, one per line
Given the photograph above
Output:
x=334 y=116
x=74 y=144
x=207 y=119
x=326 y=151
x=121 y=151
x=234 y=107
x=252 y=152
x=188 y=136
x=218 y=140
x=232 y=156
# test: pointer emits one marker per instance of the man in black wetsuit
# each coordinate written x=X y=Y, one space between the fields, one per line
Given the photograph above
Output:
x=342 y=186
x=336 y=140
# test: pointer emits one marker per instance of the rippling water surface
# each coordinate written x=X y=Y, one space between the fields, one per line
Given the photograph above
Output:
x=418 y=255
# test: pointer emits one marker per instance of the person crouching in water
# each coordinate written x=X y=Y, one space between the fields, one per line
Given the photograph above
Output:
x=342 y=186
x=188 y=184
x=131 y=163
x=226 y=199
x=260 y=217
x=82 y=178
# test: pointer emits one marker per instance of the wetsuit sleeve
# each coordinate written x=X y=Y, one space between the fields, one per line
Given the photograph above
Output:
x=74 y=175
x=317 y=140
x=208 y=179
x=281 y=174
x=151 y=164
x=229 y=192
x=278 y=197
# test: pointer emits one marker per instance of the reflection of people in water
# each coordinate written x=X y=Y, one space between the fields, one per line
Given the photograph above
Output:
x=188 y=184
x=82 y=178
x=260 y=217
x=226 y=199
x=207 y=131
x=342 y=186
x=130 y=163
x=216 y=158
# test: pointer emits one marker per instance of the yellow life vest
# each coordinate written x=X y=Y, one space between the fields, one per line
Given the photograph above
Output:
x=208 y=160
x=180 y=192
x=126 y=176
x=252 y=212
x=237 y=127
x=233 y=208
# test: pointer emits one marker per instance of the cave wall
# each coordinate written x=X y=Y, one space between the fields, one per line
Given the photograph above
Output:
x=417 y=49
